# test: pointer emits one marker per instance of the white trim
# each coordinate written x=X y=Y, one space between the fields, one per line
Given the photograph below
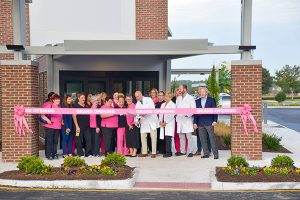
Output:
x=246 y=62
x=19 y=62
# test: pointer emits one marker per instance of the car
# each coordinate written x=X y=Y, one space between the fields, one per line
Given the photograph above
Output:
x=225 y=100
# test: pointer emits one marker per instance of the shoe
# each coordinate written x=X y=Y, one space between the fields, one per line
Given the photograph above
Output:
x=153 y=156
x=167 y=155
x=90 y=156
x=128 y=155
x=216 y=157
x=55 y=157
x=49 y=158
x=190 y=155
x=205 y=156
x=132 y=156
x=143 y=155
x=198 y=153
x=179 y=154
x=97 y=155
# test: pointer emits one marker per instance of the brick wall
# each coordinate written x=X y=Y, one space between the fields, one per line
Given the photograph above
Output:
x=152 y=19
x=246 y=83
x=14 y=147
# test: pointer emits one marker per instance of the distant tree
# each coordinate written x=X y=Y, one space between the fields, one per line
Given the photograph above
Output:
x=213 y=86
x=267 y=81
x=224 y=79
x=280 y=97
x=288 y=77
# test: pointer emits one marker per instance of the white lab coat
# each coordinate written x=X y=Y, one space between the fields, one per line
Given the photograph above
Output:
x=169 y=119
x=185 y=121
x=147 y=122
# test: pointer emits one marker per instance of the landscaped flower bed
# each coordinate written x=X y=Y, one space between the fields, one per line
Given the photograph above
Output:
x=282 y=169
x=113 y=167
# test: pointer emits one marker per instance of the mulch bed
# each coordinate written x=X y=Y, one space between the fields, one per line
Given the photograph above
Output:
x=222 y=176
x=222 y=146
x=124 y=172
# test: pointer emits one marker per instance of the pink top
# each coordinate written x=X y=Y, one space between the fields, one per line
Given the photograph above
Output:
x=110 y=122
x=130 y=118
x=155 y=100
x=93 y=122
x=55 y=119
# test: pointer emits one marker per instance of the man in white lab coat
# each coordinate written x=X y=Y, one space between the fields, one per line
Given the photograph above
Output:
x=185 y=121
x=148 y=124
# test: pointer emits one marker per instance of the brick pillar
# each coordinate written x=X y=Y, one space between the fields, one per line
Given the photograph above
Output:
x=151 y=19
x=246 y=87
x=19 y=86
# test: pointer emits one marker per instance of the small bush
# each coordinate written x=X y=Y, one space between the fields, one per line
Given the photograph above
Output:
x=226 y=139
x=268 y=171
x=239 y=161
x=114 y=160
x=282 y=161
x=280 y=97
x=271 y=141
x=34 y=165
x=222 y=129
x=74 y=161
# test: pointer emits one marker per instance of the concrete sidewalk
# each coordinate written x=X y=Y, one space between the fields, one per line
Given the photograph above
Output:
x=188 y=173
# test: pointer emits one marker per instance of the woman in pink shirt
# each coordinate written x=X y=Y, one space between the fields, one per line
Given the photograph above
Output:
x=109 y=125
x=52 y=128
x=121 y=131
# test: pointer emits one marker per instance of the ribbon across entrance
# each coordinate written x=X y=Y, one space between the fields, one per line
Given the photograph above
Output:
x=22 y=127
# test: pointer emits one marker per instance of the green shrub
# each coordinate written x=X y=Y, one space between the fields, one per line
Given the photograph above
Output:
x=226 y=139
x=282 y=161
x=271 y=141
x=268 y=171
x=284 y=171
x=280 y=97
x=34 y=165
x=114 y=160
x=239 y=161
x=71 y=161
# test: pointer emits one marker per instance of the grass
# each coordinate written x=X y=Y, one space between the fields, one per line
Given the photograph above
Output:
x=222 y=129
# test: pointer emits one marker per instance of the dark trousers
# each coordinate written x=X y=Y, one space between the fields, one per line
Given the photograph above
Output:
x=168 y=140
x=67 y=142
x=95 y=142
x=51 y=136
x=109 y=140
x=199 y=146
x=86 y=136
x=203 y=132
x=161 y=144
x=114 y=140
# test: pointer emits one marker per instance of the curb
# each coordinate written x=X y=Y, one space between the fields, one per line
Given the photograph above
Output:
x=216 y=185
x=75 y=184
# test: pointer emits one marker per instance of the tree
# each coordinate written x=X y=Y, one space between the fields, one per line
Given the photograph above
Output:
x=213 y=86
x=224 y=79
x=280 y=97
x=267 y=81
x=288 y=77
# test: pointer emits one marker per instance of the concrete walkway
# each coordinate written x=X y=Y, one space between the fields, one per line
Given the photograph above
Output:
x=188 y=173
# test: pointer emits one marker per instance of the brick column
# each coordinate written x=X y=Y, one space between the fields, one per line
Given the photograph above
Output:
x=151 y=19
x=19 y=86
x=246 y=87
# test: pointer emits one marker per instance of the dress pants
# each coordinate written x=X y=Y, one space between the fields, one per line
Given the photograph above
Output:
x=168 y=140
x=205 y=131
x=183 y=137
x=85 y=135
x=51 y=136
x=95 y=142
x=153 y=136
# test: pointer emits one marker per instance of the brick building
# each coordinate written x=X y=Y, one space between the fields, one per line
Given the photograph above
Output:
x=140 y=61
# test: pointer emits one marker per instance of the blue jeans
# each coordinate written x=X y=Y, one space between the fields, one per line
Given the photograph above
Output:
x=67 y=142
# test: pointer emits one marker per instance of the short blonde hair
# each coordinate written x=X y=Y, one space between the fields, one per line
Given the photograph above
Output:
x=169 y=94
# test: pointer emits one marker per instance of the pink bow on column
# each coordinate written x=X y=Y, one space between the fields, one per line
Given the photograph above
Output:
x=245 y=114
x=21 y=124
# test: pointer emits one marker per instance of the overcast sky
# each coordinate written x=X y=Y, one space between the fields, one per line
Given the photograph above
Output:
x=276 y=27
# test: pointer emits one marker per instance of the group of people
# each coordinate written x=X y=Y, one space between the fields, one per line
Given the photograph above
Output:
x=127 y=134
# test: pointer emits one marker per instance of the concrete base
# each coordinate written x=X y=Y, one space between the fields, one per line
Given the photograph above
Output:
x=216 y=185
x=74 y=184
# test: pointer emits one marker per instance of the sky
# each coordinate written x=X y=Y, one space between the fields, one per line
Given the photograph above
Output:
x=275 y=28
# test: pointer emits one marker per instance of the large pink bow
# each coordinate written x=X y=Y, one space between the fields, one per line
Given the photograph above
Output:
x=245 y=114
x=21 y=124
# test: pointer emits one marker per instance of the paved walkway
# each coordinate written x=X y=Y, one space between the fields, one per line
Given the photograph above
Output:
x=188 y=173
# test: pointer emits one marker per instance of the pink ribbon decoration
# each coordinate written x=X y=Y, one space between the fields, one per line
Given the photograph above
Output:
x=20 y=122
x=245 y=114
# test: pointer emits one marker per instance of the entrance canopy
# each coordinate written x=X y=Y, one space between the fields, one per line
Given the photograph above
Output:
x=167 y=48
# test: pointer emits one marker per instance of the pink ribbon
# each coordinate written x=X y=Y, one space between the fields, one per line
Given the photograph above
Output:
x=20 y=122
x=245 y=114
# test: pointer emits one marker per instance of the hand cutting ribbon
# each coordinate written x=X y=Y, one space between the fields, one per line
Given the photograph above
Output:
x=245 y=114
x=21 y=124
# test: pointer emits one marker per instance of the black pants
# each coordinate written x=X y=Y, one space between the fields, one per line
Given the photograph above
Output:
x=161 y=144
x=109 y=139
x=168 y=140
x=114 y=140
x=84 y=135
x=51 y=136
x=95 y=142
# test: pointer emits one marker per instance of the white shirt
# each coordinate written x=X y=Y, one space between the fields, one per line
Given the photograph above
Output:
x=185 y=121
